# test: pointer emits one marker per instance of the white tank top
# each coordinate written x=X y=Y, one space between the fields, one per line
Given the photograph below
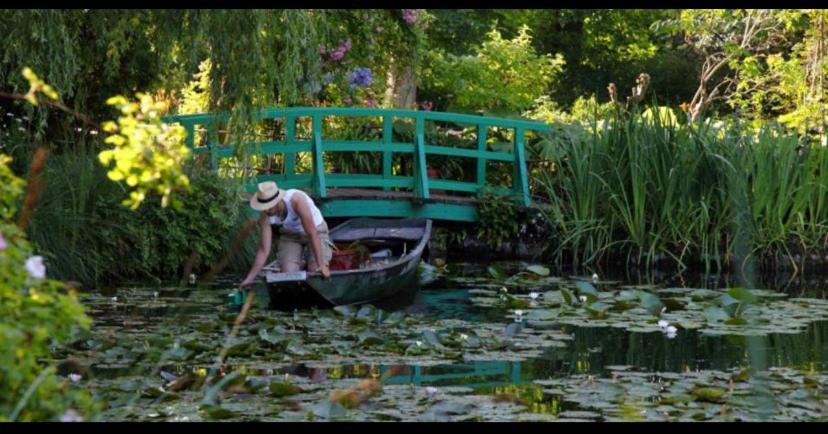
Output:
x=292 y=222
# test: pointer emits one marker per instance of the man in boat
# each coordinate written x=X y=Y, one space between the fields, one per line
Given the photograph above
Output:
x=302 y=226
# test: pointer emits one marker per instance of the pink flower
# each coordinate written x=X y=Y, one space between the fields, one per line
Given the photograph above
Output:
x=410 y=16
x=427 y=105
x=322 y=49
x=3 y=243
x=380 y=29
x=370 y=103
x=337 y=54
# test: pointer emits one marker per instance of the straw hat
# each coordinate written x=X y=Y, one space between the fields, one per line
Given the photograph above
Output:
x=267 y=196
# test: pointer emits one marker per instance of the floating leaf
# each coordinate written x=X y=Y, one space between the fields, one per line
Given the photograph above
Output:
x=743 y=295
x=709 y=394
x=651 y=303
x=539 y=270
x=568 y=297
x=586 y=289
x=284 y=389
x=715 y=314
x=512 y=329
x=496 y=272
x=368 y=338
x=216 y=412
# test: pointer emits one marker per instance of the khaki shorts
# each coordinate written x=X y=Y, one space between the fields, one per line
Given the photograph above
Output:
x=294 y=247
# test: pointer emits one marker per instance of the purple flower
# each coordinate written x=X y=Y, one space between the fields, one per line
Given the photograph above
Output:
x=3 y=243
x=360 y=77
x=322 y=49
x=410 y=16
x=337 y=54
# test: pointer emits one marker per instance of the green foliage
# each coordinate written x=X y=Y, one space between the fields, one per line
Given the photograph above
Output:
x=148 y=153
x=504 y=75
x=80 y=211
x=498 y=219
x=36 y=314
x=654 y=191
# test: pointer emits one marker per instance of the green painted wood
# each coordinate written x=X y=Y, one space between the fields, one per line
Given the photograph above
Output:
x=443 y=184
x=482 y=133
x=366 y=146
x=320 y=188
x=290 y=138
x=468 y=153
x=520 y=179
x=387 y=139
x=318 y=181
x=397 y=208
x=301 y=181
x=202 y=118
x=420 y=172
x=359 y=180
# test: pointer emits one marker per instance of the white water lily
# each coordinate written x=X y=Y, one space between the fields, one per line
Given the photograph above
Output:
x=595 y=276
x=35 y=267
x=663 y=324
x=463 y=336
x=582 y=298
x=671 y=329
x=418 y=343
x=155 y=294
x=503 y=289
x=518 y=312
x=114 y=299
x=430 y=390
x=534 y=295
x=664 y=309
x=670 y=335
x=75 y=377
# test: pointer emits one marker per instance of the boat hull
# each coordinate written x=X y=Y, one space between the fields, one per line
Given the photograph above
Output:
x=351 y=286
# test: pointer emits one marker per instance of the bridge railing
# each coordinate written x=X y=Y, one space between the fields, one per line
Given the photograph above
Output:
x=318 y=181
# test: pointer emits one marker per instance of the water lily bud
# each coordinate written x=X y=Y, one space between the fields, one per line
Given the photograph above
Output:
x=595 y=276
x=534 y=295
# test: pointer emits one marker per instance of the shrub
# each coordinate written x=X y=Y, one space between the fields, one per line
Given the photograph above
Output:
x=81 y=212
x=37 y=315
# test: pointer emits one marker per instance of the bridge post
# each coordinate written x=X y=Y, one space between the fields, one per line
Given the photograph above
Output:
x=420 y=174
x=318 y=161
x=387 y=138
x=520 y=180
x=481 y=162
x=212 y=142
x=290 y=137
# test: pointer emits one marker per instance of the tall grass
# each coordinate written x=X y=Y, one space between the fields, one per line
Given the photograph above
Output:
x=87 y=235
x=649 y=192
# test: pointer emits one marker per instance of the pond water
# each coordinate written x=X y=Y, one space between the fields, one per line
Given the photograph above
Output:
x=507 y=342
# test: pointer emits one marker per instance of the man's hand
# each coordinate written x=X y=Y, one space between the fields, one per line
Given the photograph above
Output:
x=326 y=273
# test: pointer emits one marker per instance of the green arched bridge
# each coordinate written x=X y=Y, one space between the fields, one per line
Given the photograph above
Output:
x=298 y=148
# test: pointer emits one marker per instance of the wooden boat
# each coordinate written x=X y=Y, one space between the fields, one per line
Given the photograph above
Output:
x=395 y=246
